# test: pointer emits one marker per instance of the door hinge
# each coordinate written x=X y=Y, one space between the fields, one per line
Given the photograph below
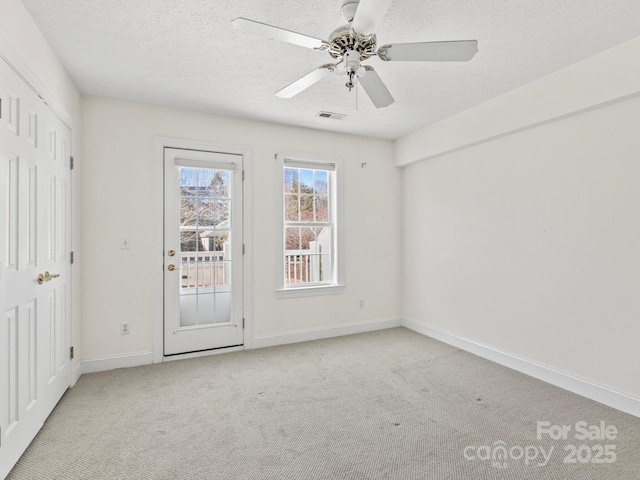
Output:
x=243 y=248
x=243 y=175
x=71 y=257
x=71 y=353
x=71 y=163
x=243 y=323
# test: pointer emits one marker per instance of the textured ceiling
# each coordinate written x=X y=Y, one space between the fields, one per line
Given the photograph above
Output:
x=185 y=54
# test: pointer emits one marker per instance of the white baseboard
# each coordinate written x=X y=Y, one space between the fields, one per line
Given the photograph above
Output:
x=102 y=364
x=586 y=388
x=325 y=332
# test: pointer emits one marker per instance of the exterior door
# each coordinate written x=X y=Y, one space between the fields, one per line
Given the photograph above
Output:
x=35 y=273
x=202 y=251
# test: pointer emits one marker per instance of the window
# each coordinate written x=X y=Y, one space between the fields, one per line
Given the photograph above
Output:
x=309 y=224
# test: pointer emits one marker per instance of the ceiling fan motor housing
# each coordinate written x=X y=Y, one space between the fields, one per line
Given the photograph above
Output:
x=344 y=39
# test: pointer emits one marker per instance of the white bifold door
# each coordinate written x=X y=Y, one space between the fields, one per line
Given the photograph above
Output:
x=202 y=251
x=35 y=271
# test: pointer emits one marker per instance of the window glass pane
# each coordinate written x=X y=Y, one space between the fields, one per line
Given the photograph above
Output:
x=291 y=208
x=321 y=181
x=292 y=238
x=322 y=208
x=306 y=181
x=323 y=240
x=307 y=236
x=325 y=268
x=306 y=208
x=291 y=180
x=295 y=269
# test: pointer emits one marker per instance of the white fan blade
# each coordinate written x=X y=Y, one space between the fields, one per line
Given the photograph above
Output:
x=374 y=87
x=456 y=51
x=304 y=82
x=369 y=15
x=277 y=33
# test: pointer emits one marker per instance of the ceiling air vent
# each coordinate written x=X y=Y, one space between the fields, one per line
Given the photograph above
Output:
x=335 y=116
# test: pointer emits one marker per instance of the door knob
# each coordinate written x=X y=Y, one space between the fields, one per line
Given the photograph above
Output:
x=171 y=253
x=171 y=267
x=46 y=277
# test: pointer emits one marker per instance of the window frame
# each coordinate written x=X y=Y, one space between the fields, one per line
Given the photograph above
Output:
x=336 y=201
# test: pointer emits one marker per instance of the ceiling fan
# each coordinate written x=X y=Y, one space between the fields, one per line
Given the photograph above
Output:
x=355 y=42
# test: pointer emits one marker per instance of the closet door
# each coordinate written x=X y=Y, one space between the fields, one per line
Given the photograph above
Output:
x=35 y=271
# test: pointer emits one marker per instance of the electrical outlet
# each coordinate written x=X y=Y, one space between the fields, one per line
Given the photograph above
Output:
x=360 y=303
x=124 y=328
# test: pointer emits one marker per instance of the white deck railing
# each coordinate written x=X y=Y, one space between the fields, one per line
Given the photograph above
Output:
x=303 y=267
x=208 y=269
x=204 y=269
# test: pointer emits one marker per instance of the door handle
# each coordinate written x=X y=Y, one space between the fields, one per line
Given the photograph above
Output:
x=171 y=267
x=46 y=277
x=171 y=253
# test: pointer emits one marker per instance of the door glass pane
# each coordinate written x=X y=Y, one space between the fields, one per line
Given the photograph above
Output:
x=205 y=246
x=221 y=211
x=220 y=184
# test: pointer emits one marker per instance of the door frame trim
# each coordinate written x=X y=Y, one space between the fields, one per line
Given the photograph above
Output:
x=157 y=227
x=17 y=62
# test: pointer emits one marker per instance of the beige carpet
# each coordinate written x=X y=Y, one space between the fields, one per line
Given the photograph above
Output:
x=383 y=405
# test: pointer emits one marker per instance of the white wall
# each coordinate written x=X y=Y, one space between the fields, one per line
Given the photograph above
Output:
x=117 y=202
x=524 y=240
x=25 y=47
x=604 y=78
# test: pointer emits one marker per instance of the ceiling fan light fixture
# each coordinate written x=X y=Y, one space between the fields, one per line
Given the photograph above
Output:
x=352 y=61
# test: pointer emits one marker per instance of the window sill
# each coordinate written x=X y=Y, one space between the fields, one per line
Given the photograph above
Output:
x=310 y=291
